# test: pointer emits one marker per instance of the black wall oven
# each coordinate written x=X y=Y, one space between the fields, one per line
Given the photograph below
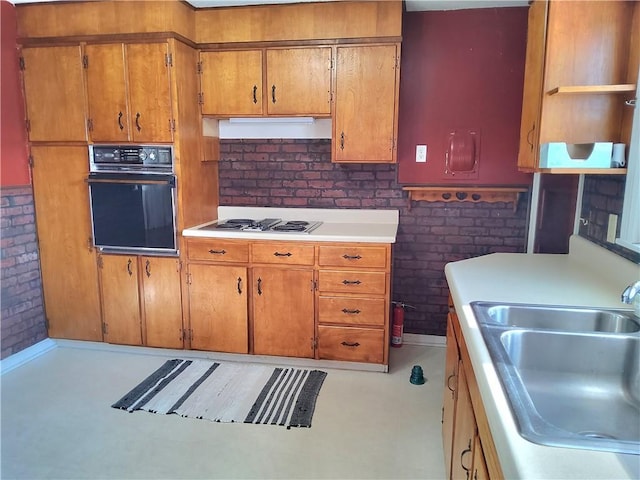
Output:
x=133 y=197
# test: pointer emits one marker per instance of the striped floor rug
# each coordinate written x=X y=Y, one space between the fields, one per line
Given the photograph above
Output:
x=228 y=392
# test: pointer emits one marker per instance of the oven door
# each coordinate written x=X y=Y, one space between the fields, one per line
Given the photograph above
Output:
x=133 y=213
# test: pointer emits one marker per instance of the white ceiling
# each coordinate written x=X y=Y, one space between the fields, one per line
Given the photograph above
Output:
x=411 y=5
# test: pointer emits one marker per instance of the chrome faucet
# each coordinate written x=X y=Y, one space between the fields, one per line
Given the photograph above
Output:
x=630 y=292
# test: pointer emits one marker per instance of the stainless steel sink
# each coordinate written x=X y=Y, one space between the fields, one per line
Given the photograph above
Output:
x=577 y=388
x=566 y=319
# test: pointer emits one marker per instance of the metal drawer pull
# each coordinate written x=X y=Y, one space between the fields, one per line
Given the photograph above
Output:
x=129 y=267
x=354 y=312
x=351 y=282
x=259 y=286
x=278 y=254
x=217 y=252
x=138 y=122
x=147 y=268
x=239 y=286
x=349 y=344
x=255 y=91
x=120 y=121
x=453 y=375
x=351 y=257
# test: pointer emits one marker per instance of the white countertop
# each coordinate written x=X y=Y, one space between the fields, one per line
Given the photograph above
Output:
x=588 y=276
x=338 y=225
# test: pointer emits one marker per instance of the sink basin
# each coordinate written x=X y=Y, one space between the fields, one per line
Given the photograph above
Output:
x=568 y=389
x=566 y=319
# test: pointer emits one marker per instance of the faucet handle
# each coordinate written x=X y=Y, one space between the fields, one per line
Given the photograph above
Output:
x=630 y=292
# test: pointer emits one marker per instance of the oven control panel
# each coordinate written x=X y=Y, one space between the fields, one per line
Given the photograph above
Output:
x=131 y=157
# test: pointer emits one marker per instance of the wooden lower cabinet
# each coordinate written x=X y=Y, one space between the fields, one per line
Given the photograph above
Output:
x=286 y=298
x=218 y=308
x=283 y=307
x=468 y=446
x=449 y=395
x=67 y=260
x=141 y=300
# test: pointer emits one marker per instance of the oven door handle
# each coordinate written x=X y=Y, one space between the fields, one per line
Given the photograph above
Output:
x=132 y=179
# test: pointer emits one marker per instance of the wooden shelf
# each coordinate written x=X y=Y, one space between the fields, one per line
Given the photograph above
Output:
x=620 y=88
x=465 y=194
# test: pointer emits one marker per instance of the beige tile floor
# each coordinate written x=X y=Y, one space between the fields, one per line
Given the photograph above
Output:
x=57 y=423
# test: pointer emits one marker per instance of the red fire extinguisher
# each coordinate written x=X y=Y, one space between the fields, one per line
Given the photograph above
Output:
x=397 y=326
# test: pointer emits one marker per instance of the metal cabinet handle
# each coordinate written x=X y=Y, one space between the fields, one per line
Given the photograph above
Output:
x=351 y=282
x=453 y=375
x=342 y=141
x=129 y=267
x=138 y=122
x=464 y=452
x=147 y=268
x=273 y=93
x=239 y=286
x=255 y=93
x=350 y=312
x=278 y=254
x=120 y=121
x=529 y=137
x=259 y=286
x=350 y=344
x=351 y=257
x=217 y=252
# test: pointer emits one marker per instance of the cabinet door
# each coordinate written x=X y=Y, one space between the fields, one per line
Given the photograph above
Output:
x=283 y=308
x=107 y=93
x=464 y=430
x=365 y=104
x=149 y=92
x=218 y=308
x=54 y=93
x=162 y=302
x=480 y=471
x=232 y=83
x=449 y=395
x=299 y=81
x=68 y=263
x=532 y=93
x=120 y=299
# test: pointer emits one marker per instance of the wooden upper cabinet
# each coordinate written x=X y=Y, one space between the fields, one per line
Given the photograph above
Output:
x=299 y=81
x=149 y=92
x=129 y=92
x=54 y=91
x=581 y=66
x=231 y=83
x=68 y=263
x=107 y=93
x=366 y=100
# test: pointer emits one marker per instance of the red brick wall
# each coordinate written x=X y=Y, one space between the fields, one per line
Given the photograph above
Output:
x=299 y=173
x=23 y=319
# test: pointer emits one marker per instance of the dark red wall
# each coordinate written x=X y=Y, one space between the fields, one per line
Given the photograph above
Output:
x=462 y=69
x=14 y=169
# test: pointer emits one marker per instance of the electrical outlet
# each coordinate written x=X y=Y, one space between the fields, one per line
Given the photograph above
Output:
x=421 y=153
x=611 y=228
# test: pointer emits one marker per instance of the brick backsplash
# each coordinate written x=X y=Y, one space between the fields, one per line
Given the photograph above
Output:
x=602 y=195
x=299 y=173
x=23 y=320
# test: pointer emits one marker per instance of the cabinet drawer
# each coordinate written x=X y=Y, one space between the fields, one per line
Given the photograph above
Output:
x=218 y=250
x=282 y=253
x=351 y=344
x=351 y=310
x=352 y=282
x=354 y=257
